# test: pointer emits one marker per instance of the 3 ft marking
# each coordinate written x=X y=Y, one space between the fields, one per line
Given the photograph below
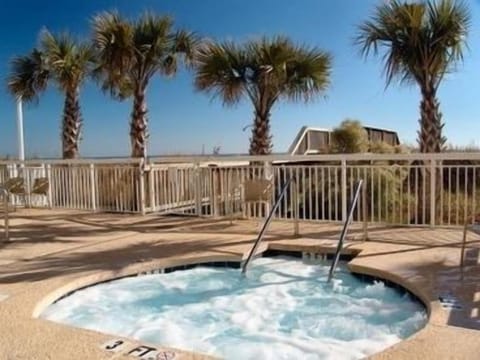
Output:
x=114 y=345
x=143 y=352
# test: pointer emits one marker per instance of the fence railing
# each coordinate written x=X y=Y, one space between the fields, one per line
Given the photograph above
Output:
x=400 y=189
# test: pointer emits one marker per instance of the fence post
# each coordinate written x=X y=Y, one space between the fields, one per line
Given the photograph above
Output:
x=296 y=226
x=142 y=187
x=268 y=175
x=27 y=175
x=49 y=179
x=214 y=173
x=151 y=188
x=93 y=196
x=230 y=193
x=433 y=176
x=197 y=190
x=364 y=210
x=344 y=190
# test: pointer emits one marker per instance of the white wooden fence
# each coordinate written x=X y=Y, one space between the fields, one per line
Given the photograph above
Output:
x=404 y=189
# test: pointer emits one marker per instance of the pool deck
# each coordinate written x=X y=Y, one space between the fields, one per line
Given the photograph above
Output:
x=53 y=252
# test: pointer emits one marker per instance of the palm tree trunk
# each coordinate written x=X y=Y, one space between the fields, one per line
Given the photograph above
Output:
x=138 y=125
x=430 y=136
x=431 y=140
x=261 y=140
x=260 y=144
x=71 y=126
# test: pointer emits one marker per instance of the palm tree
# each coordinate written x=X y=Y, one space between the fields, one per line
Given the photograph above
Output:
x=67 y=63
x=130 y=53
x=423 y=41
x=264 y=71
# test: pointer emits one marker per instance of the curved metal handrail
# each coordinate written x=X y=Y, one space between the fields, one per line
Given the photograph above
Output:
x=6 y=194
x=344 y=230
x=266 y=223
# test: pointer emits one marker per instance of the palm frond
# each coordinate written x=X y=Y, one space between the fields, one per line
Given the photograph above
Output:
x=29 y=76
x=280 y=68
x=130 y=53
x=70 y=60
x=308 y=74
x=449 y=25
x=264 y=70
x=151 y=36
x=421 y=41
x=114 y=51
x=221 y=70
x=186 y=43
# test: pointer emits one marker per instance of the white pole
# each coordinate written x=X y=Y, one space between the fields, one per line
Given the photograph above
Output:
x=21 y=144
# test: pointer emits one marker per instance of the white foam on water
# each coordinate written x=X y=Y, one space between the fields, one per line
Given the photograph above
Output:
x=284 y=309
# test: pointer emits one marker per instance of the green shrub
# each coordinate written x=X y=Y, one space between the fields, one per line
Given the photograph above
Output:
x=380 y=147
x=349 y=137
x=456 y=207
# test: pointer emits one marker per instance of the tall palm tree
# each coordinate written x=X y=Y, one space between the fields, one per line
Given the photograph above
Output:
x=263 y=71
x=130 y=53
x=65 y=62
x=422 y=42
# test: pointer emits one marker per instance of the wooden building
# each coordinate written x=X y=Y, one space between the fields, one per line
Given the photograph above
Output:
x=311 y=140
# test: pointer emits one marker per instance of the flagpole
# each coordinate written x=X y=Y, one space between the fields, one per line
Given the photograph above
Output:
x=20 y=140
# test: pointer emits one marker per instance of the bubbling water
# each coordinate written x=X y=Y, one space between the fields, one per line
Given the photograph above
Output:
x=284 y=309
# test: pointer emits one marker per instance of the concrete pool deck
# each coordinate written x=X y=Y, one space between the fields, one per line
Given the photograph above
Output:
x=53 y=252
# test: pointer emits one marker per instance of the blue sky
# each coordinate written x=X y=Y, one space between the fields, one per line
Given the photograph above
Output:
x=184 y=121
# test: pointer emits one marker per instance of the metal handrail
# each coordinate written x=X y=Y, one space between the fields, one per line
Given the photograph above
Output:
x=5 y=193
x=266 y=223
x=344 y=230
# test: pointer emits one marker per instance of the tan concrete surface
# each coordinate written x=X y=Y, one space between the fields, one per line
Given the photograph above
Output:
x=54 y=252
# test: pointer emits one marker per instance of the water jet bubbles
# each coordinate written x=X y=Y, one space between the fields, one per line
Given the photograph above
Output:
x=283 y=310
